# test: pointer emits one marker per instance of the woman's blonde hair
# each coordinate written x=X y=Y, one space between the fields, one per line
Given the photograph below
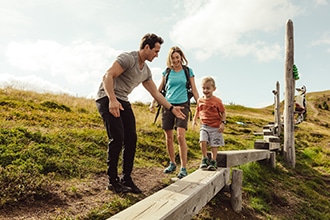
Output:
x=184 y=60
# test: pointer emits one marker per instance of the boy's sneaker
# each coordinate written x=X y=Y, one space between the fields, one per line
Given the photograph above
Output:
x=171 y=168
x=213 y=165
x=183 y=173
x=205 y=163
x=117 y=187
x=128 y=182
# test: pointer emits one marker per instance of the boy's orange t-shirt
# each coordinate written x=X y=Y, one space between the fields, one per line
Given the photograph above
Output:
x=209 y=111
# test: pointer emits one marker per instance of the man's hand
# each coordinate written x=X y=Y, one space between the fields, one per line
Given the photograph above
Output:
x=152 y=107
x=178 y=113
x=115 y=107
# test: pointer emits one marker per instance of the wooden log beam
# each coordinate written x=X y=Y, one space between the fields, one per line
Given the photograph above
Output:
x=271 y=138
x=266 y=145
x=238 y=157
x=261 y=144
x=180 y=200
x=268 y=132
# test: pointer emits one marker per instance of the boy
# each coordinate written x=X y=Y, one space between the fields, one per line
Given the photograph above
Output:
x=212 y=114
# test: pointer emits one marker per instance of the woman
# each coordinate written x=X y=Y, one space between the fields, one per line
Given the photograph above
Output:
x=174 y=81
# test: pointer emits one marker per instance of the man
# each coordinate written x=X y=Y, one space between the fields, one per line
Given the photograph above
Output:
x=126 y=73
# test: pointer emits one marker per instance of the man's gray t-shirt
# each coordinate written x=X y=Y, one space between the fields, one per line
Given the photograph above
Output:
x=130 y=78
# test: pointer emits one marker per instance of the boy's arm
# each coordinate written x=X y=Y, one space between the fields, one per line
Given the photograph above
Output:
x=223 y=122
x=195 y=116
x=223 y=117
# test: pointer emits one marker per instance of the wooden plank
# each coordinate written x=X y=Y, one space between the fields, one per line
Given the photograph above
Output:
x=261 y=144
x=238 y=157
x=274 y=146
x=267 y=127
x=268 y=132
x=264 y=144
x=271 y=138
x=274 y=142
x=180 y=200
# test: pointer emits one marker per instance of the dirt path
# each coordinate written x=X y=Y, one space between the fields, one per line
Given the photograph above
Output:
x=76 y=199
x=311 y=108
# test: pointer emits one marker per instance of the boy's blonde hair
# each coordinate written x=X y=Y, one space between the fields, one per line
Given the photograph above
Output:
x=208 y=79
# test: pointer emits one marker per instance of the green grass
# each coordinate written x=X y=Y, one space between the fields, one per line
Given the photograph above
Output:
x=45 y=138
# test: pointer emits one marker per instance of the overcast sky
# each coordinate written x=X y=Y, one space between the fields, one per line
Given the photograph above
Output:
x=67 y=45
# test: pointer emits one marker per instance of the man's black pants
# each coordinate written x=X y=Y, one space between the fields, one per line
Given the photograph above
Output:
x=122 y=135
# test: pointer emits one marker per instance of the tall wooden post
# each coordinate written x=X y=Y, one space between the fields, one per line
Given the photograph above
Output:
x=277 y=110
x=289 y=82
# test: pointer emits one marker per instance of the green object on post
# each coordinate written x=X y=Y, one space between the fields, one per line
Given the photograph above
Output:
x=295 y=72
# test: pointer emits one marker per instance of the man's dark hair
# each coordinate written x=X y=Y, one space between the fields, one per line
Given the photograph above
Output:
x=151 y=40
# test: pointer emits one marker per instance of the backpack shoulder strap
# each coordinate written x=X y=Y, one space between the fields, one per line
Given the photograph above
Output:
x=186 y=70
x=168 y=70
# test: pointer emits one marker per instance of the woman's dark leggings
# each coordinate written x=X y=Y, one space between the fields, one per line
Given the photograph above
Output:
x=122 y=135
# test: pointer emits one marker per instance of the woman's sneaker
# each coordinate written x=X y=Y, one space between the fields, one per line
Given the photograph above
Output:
x=213 y=165
x=205 y=163
x=171 y=168
x=183 y=173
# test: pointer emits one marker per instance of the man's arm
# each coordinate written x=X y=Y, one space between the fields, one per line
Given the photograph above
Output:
x=114 y=71
x=152 y=89
x=160 y=87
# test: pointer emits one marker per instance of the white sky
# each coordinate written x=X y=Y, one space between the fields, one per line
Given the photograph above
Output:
x=67 y=45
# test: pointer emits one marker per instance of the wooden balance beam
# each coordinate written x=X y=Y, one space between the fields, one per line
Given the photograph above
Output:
x=268 y=143
x=181 y=200
x=238 y=157
x=186 y=197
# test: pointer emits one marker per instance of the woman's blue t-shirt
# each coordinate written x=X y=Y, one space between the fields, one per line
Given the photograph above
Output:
x=176 y=89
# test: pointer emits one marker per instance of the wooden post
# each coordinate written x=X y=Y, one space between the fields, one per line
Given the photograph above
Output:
x=236 y=190
x=289 y=82
x=277 y=112
x=272 y=159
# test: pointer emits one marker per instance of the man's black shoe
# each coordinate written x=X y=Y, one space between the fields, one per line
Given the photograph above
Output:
x=118 y=187
x=129 y=183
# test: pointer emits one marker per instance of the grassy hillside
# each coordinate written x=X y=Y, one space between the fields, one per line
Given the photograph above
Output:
x=50 y=141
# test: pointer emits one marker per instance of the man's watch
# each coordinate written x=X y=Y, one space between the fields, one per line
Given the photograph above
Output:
x=224 y=122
